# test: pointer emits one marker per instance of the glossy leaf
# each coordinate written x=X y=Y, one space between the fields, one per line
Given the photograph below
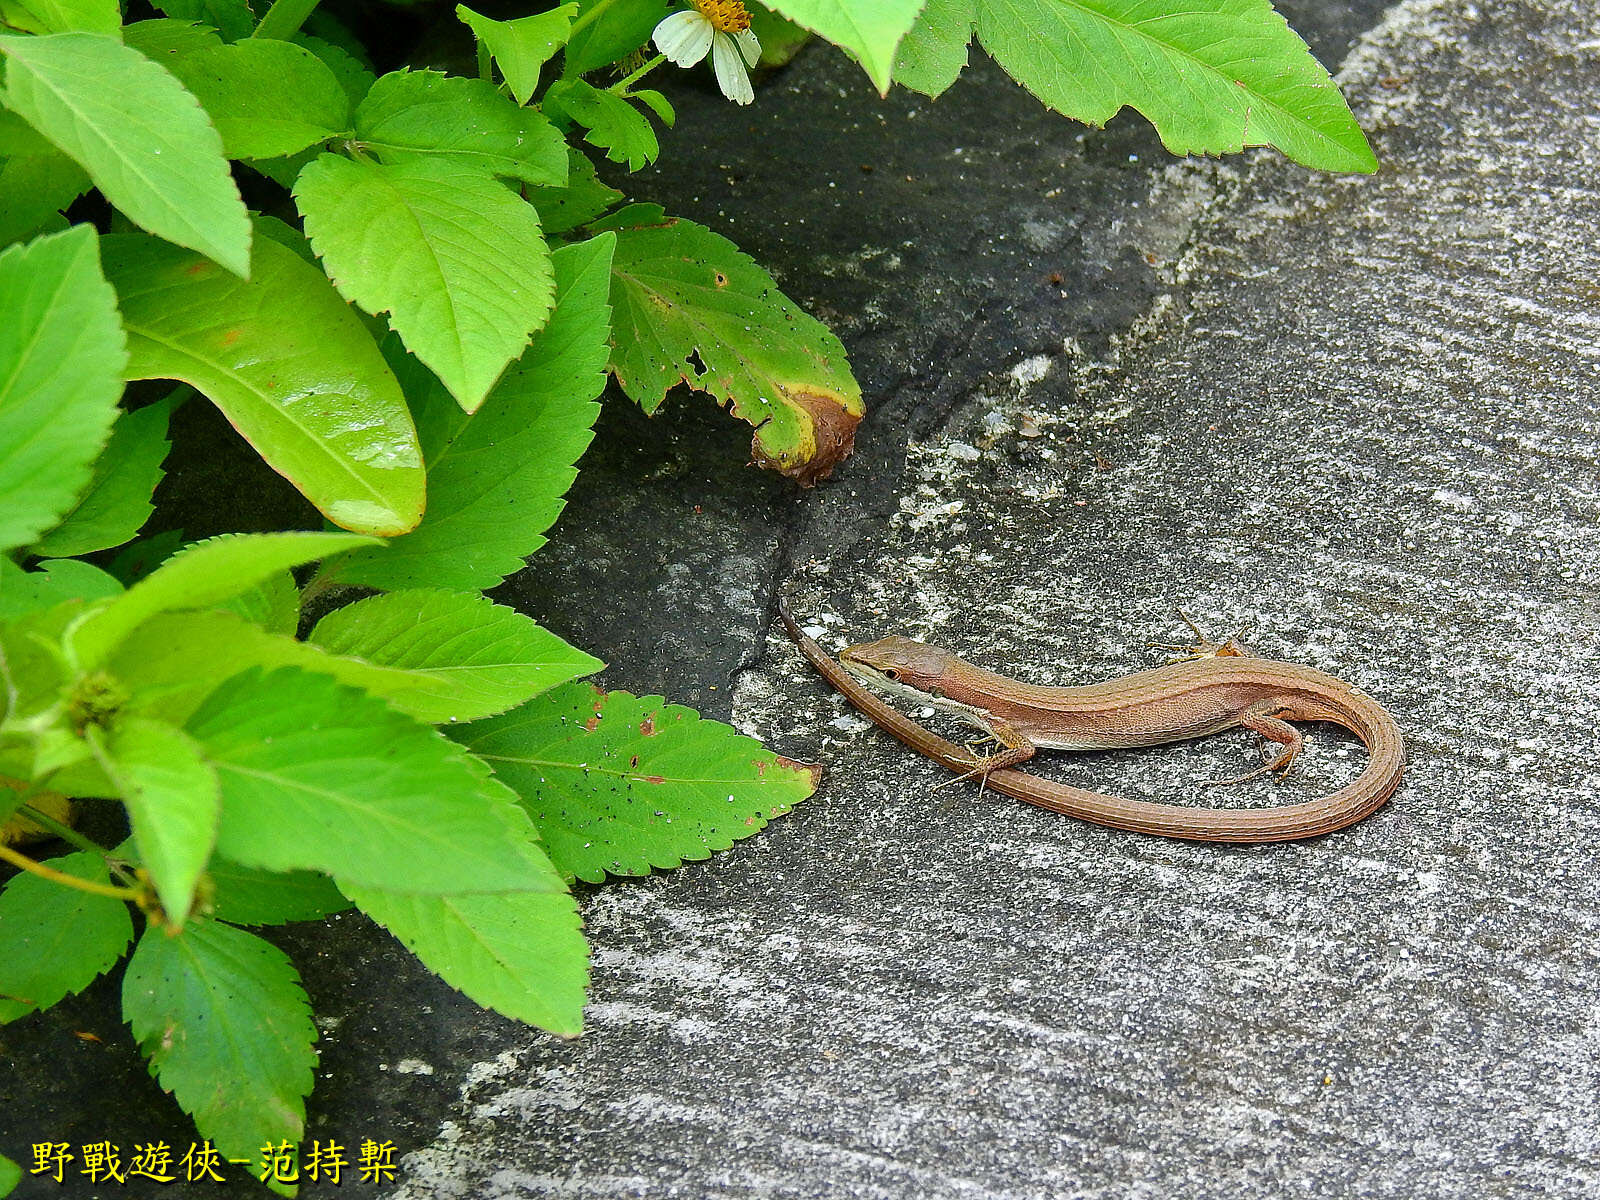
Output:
x=50 y=583
x=869 y=32
x=273 y=604
x=233 y=17
x=54 y=939
x=142 y=138
x=422 y=114
x=521 y=47
x=34 y=189
x=205 y=574
x=519 y=953
x=496 y=480
x=454 y=257
x=689 y=306
x=118 y=499
x=68 y=16
x=227 y=1028
x=584 y=198
x=623 y=27
x=288 y=363
x=468 y=656
x=320 y=776
x=935 y=51
x=622 y=784
x=62 y=354
x=165 y=38
x=267 y=98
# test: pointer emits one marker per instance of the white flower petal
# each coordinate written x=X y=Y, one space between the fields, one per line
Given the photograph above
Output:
x=749 y=45
x=684 y=37
x=732 y=78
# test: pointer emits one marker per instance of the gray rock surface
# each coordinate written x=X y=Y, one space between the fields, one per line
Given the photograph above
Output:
x=1357 y=413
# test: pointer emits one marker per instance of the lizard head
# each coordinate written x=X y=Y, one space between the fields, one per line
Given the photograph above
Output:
x=901 y=666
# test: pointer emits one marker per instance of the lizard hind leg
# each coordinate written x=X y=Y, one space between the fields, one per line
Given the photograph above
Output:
x=1273 y=729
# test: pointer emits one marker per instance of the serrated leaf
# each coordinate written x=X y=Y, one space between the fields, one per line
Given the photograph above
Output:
x=62 y=353
x=173 y=801
x=34 y=189
x=248 y=896
x=622 y=28
x=71 y=16
x=522 y=46
x=267 y=98
x=454 y=256
x=522 y=954
x=166 y=38
x=353 y=75
x=118 y=500
x=1212 y=76
x=688 y=305
x=49 y=584
x=320 y=776
x=496 y=480
x=233 y=17
x=935 y=50
x=469 y=657
x=869 y=32
x=142 y=138
x=409 y=115
x=622 y=784
x=584 y=198
x=206 y=574
x=273 y=604
x=613 y=124
x=55 y=940
x=223 y=1019
x=289 y=365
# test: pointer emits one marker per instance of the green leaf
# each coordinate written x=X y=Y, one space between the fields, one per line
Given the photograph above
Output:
x=622 y=28
x=34 y=189
x=321 y=776
x=453 y=255
x=70 y=16
x=173 y=800
x=268 y=98
x=232 y=17
x=496 y=480
x=273 y=604
x=522 y=46
x=289 y=365
x=227 y=1028
x=869 y=32
x=353 y=75
x=422 y=114
x=621 y=784
x=62 y=352
x=689 y=306
x=55 y=940
x=583 y=199
x=469 y=656
x=614 y=125
x=118 y=500
x=1212 y=76
x=935 y=52
x=521 y=954
x=143 y=139
x=247 y=896
x=165 y=39
x=206 y=574
x=10 y=1176
x=49 y=584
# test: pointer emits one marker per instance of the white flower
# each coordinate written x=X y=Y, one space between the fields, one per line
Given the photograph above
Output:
x=723 y=28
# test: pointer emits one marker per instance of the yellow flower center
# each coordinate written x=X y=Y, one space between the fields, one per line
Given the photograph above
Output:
x=726 y=16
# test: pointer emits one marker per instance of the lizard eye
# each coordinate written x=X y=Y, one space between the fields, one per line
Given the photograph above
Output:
x=890 y=673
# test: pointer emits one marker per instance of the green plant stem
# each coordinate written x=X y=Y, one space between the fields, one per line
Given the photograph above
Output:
x=284 y=18
x=622 y=85
x=585 y=18
x=7 y=854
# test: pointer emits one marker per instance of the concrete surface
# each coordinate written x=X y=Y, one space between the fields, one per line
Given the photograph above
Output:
x=1357 y=413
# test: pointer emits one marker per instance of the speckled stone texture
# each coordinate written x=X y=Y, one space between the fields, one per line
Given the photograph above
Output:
x=1359 y=414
